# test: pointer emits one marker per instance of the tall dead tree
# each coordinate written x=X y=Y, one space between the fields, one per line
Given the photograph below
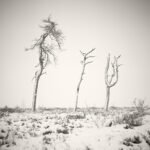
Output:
x=47 y=43
x=111 y=78
x=84 y=62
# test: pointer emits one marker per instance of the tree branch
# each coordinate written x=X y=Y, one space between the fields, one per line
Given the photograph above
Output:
x=106 y=70
x=90 y=51
x=88 y=62
x=115 y=67
x=90 y=57
x=82 y=53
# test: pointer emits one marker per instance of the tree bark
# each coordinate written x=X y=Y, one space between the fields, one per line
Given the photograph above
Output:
x=76 y=103
x=36 y=90
x=37 y=79
x=78 y=88
x=107 y=97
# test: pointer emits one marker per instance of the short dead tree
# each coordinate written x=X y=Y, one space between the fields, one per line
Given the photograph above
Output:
x=84 y=62
x=111 y=78
x=47 y=43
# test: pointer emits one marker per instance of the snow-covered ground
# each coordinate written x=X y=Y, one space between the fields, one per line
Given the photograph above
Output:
x=49 y=130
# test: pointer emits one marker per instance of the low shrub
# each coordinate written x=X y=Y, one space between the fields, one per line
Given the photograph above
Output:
x=76 y=115
x=131 y=141
x=147 y=137
x=131 y=119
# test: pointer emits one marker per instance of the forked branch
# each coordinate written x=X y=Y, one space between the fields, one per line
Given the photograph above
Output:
x=111 y=79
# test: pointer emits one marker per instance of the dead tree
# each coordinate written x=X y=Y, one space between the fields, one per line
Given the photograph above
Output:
x=47 y=43
x=111 y=78
x=84 y=62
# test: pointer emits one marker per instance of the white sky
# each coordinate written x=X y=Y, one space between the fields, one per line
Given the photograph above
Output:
x=115 y=26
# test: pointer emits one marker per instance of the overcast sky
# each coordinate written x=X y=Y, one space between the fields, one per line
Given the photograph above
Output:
x=110 y=26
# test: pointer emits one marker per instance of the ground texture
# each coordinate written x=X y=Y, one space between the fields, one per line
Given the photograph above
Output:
x=83 y=130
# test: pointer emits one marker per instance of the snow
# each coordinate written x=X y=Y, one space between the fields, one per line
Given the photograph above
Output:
x=71 y=131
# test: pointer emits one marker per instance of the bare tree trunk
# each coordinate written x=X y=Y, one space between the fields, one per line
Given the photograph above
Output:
x=35 y=93
x=76 y=104
x=37 y=79
x=107 y=97
x=78 y=88
x=36 y=90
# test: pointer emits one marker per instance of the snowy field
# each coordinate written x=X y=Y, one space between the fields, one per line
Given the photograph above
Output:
x=87 y=129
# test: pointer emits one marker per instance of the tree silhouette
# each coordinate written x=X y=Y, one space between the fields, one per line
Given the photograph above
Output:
x=111 y=79
x=47 y=43
x=84 y=62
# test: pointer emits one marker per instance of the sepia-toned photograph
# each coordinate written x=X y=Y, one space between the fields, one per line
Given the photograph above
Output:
x=74 y=74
